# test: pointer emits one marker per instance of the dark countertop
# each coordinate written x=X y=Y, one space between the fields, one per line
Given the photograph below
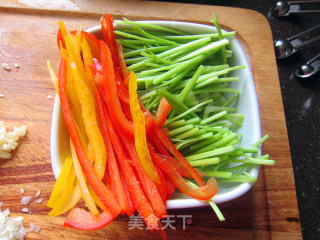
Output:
x=301 y=104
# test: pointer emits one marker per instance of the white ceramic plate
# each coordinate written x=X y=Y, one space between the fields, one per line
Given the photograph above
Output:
x=247 y=105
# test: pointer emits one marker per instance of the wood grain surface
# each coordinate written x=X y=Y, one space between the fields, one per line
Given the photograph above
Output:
x=28 y=37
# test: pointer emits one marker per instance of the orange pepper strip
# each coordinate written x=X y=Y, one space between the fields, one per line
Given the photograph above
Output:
x=94 y=181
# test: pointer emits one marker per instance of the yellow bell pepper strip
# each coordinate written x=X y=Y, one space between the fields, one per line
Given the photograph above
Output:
x=82 y=182
x=53 y=76
x=140 y=137
x=94 y=181
x=90 y=121
x=67 y=202
x=81 y=219
x=63 y=52
x=61 y=182
x=69 y=196
x=65 y=172
x=73 y=50
x=87 y=59
x=97 y=200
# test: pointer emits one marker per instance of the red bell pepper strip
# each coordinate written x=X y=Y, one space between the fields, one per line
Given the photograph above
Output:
x=118 y=118
x=81 y=219
x=202 y=193
x=123 y=93
x=115 y=178
x=141 y=203
x=123 y=66
x=170 y=189
x=98 y=65
x=104 y=31
x=91 y=39
x=106 y=177
x=164 y=152
x=172 y=149
x=93 y=43
x=158 y=144
x=147 y=183
x=60 y=39
x=162 y=149
x=126 y=80
x=162 y=233
x=112 y=99
x=166 y=132
x=96 y=184
x=113 y=45
x=177 y=166
x=93 y=68
x=121 y=88
x=162 y=186
x=162 y=113
x=131 y=207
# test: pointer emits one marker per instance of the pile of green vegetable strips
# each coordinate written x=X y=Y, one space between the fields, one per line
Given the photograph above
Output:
x=191 y=72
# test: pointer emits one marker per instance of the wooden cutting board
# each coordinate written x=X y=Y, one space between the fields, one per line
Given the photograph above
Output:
x=28 y=37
